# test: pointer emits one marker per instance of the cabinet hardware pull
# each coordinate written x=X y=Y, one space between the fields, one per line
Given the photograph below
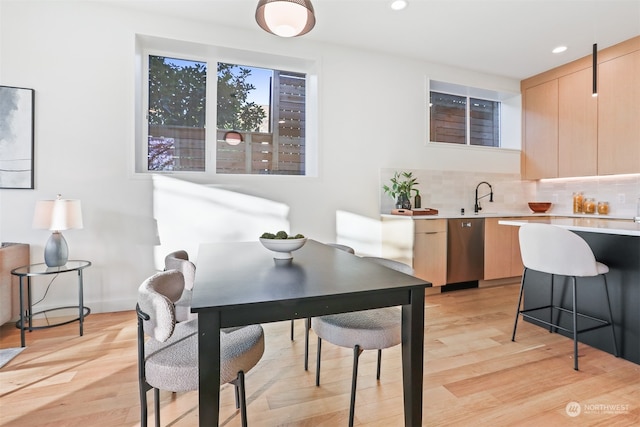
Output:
x=465 y=224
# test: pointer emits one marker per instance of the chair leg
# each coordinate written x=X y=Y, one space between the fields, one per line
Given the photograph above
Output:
x=236 y=389
x=156 y=405
x=243 y=399
x=613 y=331
x=291 y=329
x=515 y=323
x=379 y=363
x=143 y=406
x=354 y=380
x=575 y=325
x=306 y=343
x=318 y=362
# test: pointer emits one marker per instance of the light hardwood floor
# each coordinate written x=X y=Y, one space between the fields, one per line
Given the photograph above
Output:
x=473 y=376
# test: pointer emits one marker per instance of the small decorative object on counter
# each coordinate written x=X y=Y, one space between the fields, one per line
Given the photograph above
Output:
x=577 y=203
x=417 y=201
x=589 y=206
x=603 y=208
x=402 y=185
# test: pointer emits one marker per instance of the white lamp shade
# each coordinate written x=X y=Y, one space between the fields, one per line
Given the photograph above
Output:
x=286 y=18
x=60 y=214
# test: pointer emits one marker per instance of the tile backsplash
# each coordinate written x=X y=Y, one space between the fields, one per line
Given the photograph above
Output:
x=450 y=191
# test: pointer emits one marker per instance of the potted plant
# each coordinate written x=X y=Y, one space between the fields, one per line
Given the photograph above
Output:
x=402 y=184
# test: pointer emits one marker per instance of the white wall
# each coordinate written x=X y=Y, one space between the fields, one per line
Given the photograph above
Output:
x=79 y=58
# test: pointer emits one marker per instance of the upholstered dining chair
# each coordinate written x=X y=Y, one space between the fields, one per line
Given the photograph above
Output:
x=361 y=330
x=168 y=359
x=179 y=260
x=307 y=322
x=560 y=252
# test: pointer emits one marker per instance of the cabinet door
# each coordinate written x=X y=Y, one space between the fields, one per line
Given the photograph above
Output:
x=501 y=250
x=577 y=125
x=541 y=131
x=619 y=115
x=430 y=251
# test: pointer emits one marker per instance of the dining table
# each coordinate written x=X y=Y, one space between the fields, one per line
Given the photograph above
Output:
x=241 y=283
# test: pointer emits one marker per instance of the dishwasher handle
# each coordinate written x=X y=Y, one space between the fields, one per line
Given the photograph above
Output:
x=465 y=224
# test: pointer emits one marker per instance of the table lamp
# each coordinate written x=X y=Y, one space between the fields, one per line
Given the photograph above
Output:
x=57 y=215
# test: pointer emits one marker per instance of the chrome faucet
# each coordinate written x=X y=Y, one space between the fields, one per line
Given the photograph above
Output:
x=477 y=207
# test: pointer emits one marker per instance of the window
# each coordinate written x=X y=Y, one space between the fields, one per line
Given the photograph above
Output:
x=267 y=107
x=269 y=100
x=463 y=119
x=176 y=114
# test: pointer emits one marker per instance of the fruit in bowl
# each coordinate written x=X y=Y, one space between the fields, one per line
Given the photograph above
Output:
x=539 y=207
x=281 y=244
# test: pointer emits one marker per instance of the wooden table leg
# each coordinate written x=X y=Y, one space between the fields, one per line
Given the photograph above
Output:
x=412 y=357
x=209 y=367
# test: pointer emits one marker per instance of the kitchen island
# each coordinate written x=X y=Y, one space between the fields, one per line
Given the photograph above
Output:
x=615 y=243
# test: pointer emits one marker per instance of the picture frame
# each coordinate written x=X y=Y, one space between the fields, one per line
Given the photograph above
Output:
x=16 y=137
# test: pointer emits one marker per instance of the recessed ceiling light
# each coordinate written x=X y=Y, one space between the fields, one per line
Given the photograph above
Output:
x=559 y=49
x=398 y=4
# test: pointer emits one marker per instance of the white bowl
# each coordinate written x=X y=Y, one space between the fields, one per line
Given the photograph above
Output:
x=282 y=248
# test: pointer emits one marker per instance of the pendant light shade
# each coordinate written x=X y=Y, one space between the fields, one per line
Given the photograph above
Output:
x=595 y=70
x=285 y=18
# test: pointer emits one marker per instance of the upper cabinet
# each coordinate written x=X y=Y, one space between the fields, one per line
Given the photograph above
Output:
x=619 y=115
x=567 y=132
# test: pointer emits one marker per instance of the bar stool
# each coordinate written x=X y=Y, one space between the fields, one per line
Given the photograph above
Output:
x=559 y=252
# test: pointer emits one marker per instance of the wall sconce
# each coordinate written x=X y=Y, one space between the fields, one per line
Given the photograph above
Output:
x=285 y=18
x=233 y=137
x=57 y=215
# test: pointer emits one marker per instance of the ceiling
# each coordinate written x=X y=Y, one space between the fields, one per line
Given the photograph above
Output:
x=511 y=38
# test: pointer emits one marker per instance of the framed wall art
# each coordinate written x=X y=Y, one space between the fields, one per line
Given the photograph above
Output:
x=16 y=137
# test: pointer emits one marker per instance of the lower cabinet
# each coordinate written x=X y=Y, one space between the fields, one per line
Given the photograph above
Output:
x=501 y=250
x=430 y=250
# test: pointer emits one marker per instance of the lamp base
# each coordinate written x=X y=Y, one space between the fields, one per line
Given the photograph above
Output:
x=56 y=251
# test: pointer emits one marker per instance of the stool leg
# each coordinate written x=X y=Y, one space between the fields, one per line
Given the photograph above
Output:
x=318 y=362
x=613 y=331
x=551 y=308
x=354 y=380
x=575 y=325
x=515 y=323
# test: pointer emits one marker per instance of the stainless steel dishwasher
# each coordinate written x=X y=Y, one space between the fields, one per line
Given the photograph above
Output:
x=465 y=249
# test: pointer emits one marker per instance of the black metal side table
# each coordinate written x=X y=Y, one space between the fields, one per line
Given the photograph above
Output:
x=33 y=270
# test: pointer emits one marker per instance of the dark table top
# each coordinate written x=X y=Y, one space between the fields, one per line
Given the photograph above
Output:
x=230 y=276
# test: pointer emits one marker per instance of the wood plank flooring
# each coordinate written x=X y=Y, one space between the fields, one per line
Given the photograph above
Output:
x=474 y=376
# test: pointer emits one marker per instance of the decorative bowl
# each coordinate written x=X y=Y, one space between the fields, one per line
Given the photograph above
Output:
x=282 y=248
x=539 y=207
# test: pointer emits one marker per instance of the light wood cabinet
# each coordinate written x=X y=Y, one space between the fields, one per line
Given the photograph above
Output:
x=501 y=250
x=541 y=131
x=430 y=250
x=577 y=125
x=619 y=115
x=567 y=132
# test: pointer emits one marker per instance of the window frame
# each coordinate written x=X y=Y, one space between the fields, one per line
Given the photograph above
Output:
x=509 y=110
x=211 y=55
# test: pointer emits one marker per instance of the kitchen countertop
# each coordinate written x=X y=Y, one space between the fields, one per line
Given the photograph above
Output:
x=592 y=225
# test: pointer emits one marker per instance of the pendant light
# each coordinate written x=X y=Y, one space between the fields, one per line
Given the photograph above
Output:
x=595 y=70
x=285 y=18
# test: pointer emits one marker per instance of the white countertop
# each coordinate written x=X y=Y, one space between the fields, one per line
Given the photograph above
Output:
x=592 y=225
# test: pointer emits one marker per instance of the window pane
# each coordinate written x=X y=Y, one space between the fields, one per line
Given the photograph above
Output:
x=268 y=108
x=448 y=118
x=177 y=99
x=484 y=122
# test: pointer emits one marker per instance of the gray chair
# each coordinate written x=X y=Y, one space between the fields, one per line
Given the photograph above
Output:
x=179 y=260
x=168 y=359
x=362 y=330
x=556 y=251
x=343 y=248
